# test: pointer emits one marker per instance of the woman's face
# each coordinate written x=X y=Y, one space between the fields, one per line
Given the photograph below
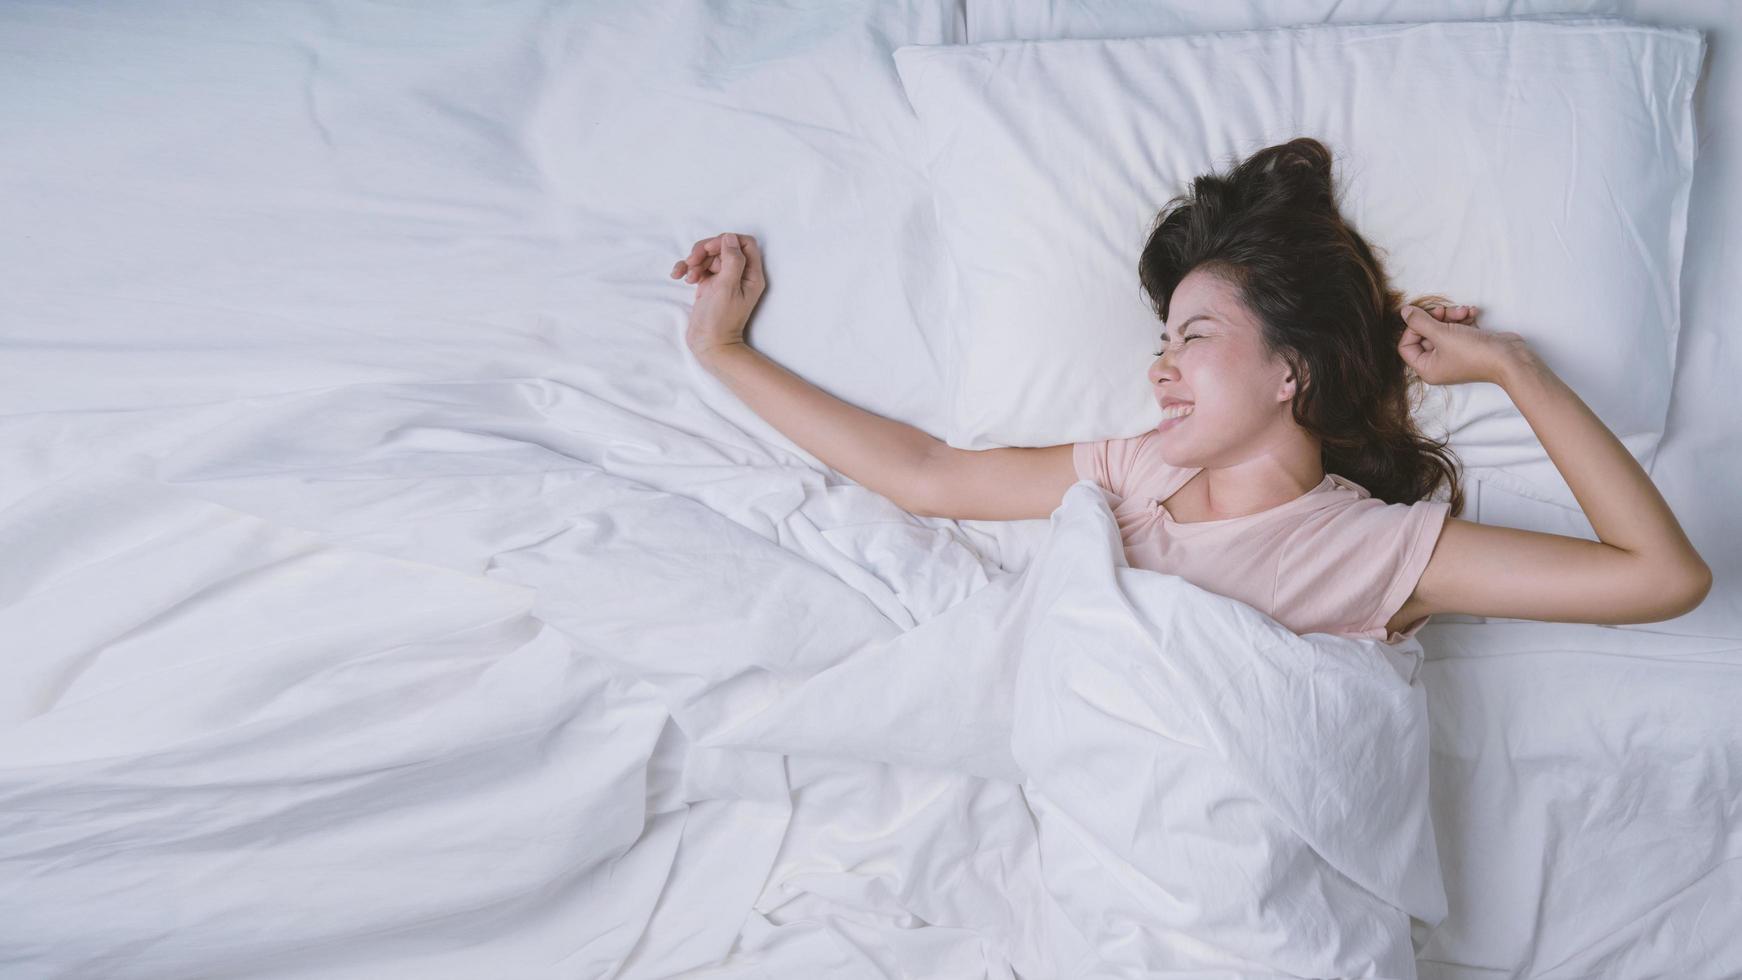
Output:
x=1213 y=357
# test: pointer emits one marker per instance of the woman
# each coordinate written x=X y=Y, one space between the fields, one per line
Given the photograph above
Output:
x=1286 y=471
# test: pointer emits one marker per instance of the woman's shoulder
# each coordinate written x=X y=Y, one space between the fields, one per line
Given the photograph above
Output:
x=1352 y=526
x=1351 y=507
x=1358 y=558
x=1129 y=466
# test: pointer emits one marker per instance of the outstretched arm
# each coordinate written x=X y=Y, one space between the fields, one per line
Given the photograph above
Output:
x=881 y=454
x=1642 y=570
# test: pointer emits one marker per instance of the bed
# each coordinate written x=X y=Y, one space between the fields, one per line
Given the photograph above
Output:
x=386 y=590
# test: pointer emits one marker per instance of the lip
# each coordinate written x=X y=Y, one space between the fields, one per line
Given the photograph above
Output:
x=1168 y=401
x=1167 y=424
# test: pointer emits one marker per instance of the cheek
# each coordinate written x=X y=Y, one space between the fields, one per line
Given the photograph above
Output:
x=1229 y=391
x=1214 y=382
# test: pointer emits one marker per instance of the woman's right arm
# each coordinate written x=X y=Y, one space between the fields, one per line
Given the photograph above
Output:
x=877 y=453
x=920 y=473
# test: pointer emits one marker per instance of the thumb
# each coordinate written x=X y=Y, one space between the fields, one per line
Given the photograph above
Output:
x=1420 y=320
x=731 y=257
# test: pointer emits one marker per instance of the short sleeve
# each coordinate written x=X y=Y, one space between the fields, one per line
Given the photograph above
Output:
x=1123 y=466
x=1413 y=542
x=1352 y=572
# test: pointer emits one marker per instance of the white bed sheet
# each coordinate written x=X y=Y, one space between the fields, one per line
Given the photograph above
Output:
x=339 y=355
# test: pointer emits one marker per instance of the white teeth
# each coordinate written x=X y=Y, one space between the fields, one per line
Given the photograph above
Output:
x=1176 y=411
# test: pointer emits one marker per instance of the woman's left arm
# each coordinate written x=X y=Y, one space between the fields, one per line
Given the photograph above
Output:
x=1642 y=570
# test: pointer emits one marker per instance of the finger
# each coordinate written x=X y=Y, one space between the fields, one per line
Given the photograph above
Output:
x=1420 y=319
x=698 y=256
x=731 y=258
x=702 y=247
x=753 y=256
x=1462 y=319
x=1410 y=350
x=1427 y=323
x=707 y=262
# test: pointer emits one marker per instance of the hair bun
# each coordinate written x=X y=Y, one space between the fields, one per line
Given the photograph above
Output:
x=1299 y=168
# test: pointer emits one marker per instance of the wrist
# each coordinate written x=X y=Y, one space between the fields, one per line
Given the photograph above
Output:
x=710 y=354
x=1516 y=364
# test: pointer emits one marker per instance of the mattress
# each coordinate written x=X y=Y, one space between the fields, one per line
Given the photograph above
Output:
x=385 y=586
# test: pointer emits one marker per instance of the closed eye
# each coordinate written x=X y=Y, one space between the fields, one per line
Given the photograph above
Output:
x=1182 y=341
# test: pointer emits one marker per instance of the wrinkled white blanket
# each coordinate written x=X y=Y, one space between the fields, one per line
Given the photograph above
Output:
x=1210 y=791
x=262 y=754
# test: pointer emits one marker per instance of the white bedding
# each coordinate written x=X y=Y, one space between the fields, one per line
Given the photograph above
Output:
x=374 y=557
x=1209 y=791
x=450 y=772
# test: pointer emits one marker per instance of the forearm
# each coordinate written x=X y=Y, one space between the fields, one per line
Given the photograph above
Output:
x=879 y=454
x=1619 y=499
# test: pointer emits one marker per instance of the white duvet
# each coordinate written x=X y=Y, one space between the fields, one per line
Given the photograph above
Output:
x=282 y=758
x=1209 y=791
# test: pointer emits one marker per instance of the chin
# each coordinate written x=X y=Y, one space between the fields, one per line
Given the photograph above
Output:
x=1174 y=458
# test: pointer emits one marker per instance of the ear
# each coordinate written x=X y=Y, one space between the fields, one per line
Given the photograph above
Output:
x=1289 y=383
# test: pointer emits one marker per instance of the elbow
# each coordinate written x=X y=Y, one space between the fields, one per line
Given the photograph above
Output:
x=1684 y=589
x=1699 y=585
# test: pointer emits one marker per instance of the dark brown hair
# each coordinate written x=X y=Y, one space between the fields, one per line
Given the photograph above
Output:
x=1270 y=228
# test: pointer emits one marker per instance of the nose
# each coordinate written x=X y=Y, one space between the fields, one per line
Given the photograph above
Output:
x=1160 y=370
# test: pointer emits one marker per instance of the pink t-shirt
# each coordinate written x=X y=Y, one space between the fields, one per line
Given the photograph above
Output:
x=1334 y=560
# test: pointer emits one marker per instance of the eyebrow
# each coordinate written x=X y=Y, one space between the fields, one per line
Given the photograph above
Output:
x=1189 y=322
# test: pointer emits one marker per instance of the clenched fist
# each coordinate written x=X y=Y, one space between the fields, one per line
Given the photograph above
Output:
x=1446 y=346
x=727 y=269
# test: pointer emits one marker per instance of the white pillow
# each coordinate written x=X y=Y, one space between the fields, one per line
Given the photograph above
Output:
x=1539 y=170
x=1149 y=18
